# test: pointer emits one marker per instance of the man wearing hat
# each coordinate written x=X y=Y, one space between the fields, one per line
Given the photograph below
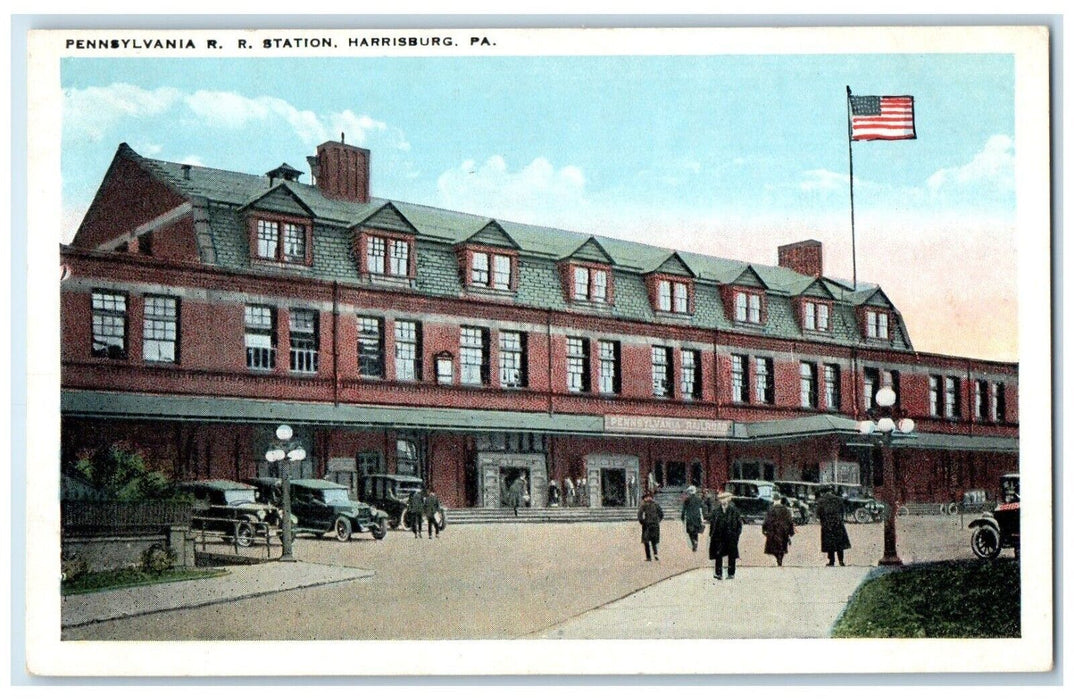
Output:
x=649 y=515
x=691 y=516
x=725 y=526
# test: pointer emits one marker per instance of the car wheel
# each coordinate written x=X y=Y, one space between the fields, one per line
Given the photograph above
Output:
x=394 y=522
x=342 y=528
x=404 y=518
x=244 y=534
x=952 y=509
x=985 y=543
x=862 y=516
x=380 y=529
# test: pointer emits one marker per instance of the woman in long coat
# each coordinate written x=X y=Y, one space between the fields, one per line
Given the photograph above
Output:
x=691 y=516
x=725 y=526
x=778 y=528
x=833 y=533
x=649 y=515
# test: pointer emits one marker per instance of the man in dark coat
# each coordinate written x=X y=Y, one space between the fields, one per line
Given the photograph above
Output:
x=725 y=526
x=415 y=506
x=514 y=494
x=833 y=533
x=430 y=507
x=778 y=528
x=649 y=515
x=691 y=516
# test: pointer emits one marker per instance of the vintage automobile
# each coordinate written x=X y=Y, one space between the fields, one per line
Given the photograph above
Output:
x=391 y=493
x=231 y=509
x=1000 y=529
x=803 y=497
x=324 y=507
x=753 y=498
x=858 y=505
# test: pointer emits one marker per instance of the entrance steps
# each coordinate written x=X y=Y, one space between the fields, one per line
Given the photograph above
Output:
x=467 y=516
x=670 y=500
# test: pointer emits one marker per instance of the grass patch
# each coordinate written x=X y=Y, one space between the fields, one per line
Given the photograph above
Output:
x=957 y=599
x=128 y=578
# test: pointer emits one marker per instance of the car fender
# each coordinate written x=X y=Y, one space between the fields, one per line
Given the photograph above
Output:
x=984 y=521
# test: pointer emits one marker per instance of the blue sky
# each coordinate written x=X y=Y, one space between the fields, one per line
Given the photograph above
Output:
x=726 y=155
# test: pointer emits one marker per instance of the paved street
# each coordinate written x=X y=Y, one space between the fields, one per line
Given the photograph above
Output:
x=540 y=580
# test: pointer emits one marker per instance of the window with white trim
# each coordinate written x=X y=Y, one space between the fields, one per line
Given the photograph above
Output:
x=599 y=289
x=832 y=388
x=739 y=388
x=662 y=371
x=268 y=239
x=376 y=249
x=109 y=324
x=808 y=373
x=747 y=307
x=690 y=387
x=680 y=298
x=304 y=341
x=764 y=380
x=815 y=317
x=512 y=359
x=294 y=242
x=473 y=356
x=581 y=283
x=876 y=325
x=260 y=337
x=407 y=351
x=934 y=394
x=479 y=270
x=577 y=365
x=951 y=396
x=160 y=329
x=399 y=258
x=609 y=366
x=371 y=347
x=501 y=272
x=980 y=399
x=663 y=295
x=276 y=237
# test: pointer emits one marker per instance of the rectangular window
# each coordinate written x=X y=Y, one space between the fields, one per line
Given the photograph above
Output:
x=371 y=347
x=268 y=237
x=610 y=380
x=662 y=373
x=832 y=388
x=876 y=325
x=479 y=272
x=747 y=307
x=109 y=325
x=473 y=356
x=304 y=341
x=808 y=372
x=512 y=359
x=400 y=259
x=754 y=308
x=681 y=298
x=740 y=306
x=822 y=317
x=999 y=402
x=738 y=379
x=951 y=391
x=406 y=457
x=663 y=301
x=260 y=337
x=934 y=395
x=502 y=272
x=691 y=375
x=577 y=365
x=160 y=329
x=581 y=283
x=871 y=386
x=765 y=381
x=375 y=250
x=600 y=285
x=294 y=243
x=980 y=397
x=809 y=317
x=407 y=351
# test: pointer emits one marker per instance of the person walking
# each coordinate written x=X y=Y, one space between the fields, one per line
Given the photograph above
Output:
x=431 y=508
x=632 y=490
x=415 y=506
x=778 y=528
x=568 y=486
x=514 y=494
x=649 y=515
x=833 y=533
x=725 y=527
x=691 y=516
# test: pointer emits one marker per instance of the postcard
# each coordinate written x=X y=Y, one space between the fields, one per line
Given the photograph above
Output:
x=367 y=352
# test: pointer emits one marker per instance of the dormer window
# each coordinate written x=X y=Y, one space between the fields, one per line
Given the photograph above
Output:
x=672 y=296
x=816 y=316
x=281 y=240
x=876 y=325
x=488 y=269
x=386 y=256
x=589 y=284
x=747 y=307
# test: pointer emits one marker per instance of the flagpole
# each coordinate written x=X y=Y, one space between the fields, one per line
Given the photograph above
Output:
x=850 y=148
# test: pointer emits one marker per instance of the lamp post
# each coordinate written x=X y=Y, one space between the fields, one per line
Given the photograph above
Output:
x=292 y=452
x=883 y=430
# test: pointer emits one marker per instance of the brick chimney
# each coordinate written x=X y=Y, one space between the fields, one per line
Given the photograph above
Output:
x=804 y=257
x=341 y=171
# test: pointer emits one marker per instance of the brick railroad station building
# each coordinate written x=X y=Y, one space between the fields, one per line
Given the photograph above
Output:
x=201 y=308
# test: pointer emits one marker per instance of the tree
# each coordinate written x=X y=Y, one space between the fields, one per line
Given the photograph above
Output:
x=121 y=474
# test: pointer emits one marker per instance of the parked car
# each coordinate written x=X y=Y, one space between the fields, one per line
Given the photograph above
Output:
x=803 y=496
x=324 y=507
x=231 y=509
x=753 y=499
x=1000 y=529
x=858 y=505
x=391 y=493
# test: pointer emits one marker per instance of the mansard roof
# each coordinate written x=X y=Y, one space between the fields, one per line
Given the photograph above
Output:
x=221 y=195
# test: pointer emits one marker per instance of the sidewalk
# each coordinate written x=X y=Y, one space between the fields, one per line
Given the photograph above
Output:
x=760 y=603
x=239 y=582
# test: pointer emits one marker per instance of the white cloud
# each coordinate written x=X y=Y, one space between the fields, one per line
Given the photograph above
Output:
x=537 y=192
x=88 y=113
x=992 y=168
x=192 y=160
x=824 y=181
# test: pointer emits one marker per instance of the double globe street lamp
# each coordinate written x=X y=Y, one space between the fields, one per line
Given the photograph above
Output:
x=883 y=432
x=292 y=452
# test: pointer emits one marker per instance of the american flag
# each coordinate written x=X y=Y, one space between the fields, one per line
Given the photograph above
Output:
x=876 y=118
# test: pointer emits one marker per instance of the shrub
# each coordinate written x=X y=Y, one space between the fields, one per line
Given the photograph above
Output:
x=121 y=474
x=73 y=567
x=157 y=559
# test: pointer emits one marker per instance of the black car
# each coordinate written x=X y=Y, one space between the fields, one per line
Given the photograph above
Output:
x=752 y=498
x=1001 y=528
x=232 y=510
x=391 y=493
x=325 y=506
x=858 y=505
